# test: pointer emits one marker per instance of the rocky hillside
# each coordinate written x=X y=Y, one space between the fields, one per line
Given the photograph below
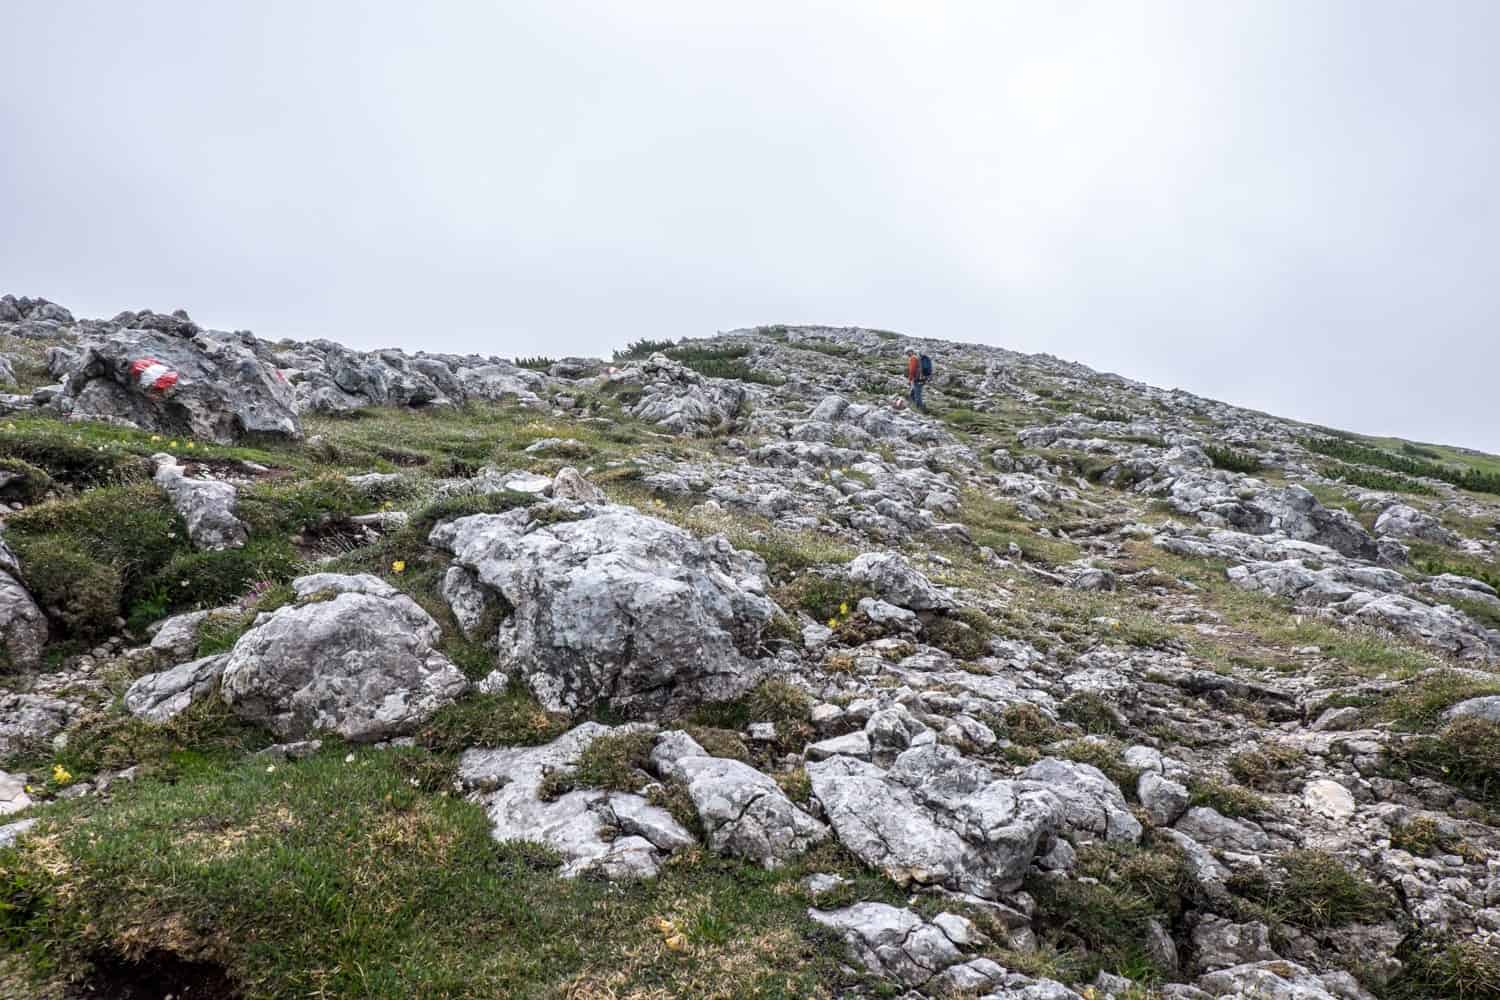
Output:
x=706 y=671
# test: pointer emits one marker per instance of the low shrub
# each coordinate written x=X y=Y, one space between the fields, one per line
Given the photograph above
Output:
x=1233 y=461
x=1465 y=754
x=1226 y=799
x=23 y=482
x=80 y=595
x=1314 y=890
x=964 y=634
x=209 y=579
x=643 y=348
x=1266 y=768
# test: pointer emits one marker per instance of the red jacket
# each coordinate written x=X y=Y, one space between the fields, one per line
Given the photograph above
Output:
x=913 y=368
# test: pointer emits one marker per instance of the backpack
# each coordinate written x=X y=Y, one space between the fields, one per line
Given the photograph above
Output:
x=926 y=366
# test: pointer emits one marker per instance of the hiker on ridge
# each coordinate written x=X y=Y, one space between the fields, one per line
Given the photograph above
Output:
x=918 y=371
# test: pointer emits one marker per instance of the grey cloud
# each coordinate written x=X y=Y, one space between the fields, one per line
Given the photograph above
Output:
x=1288 y=206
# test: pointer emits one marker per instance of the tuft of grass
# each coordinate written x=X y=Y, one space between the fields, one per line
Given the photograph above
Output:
x=1420 y=703
x=1465 y=754
x=615 y=762
x=823 y=596
x=1105 y=755
x=1092 y=713
x=491 y=720
x=1227 y=799
x=1439 y=967
x=540 y=363
x=1314 y=890
x=197 y=740
x=1266 y=768
x=1100 y=917
x=964 y=634
x=1028 y=726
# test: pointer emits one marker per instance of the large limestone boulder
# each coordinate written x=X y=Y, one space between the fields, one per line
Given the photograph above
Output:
x=936 y=818
x=23 y=626
x=206 y=505
x=1402 y=521
x=614 y=606
x=745 y=813
x=179 y=381
x=891 y=941
x=354 y=656
x=897 y=581
x=678 y=399
x=26 y=720
x=616 y=834
x=160 y=696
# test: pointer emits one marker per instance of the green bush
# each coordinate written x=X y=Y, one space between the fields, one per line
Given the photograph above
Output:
x=1231 y=460
x=209 y=579
x=292 y=507
x=80 y=595
x=538 y=364
x=1349 y=450
x=132 y=528
x=643 y=348
x=29 y=483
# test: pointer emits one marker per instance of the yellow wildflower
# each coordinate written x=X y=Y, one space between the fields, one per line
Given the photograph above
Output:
x=399 y=566
x=843 y=607
x=60 y=774
x=833 y=623
x=171 y=444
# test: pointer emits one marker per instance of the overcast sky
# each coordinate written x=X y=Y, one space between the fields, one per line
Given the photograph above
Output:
x=1292 y=206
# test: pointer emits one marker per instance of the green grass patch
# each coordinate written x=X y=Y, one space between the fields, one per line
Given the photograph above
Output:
x=334 y=879
x=1420 y=703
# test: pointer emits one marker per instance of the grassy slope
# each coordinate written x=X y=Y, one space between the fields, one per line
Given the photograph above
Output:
x=369 y=878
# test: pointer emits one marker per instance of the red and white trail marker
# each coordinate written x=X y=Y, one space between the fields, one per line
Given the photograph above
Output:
x=152 y=376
